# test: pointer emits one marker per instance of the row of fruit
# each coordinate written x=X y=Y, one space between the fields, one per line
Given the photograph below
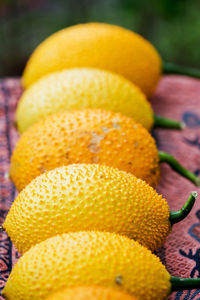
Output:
x=87 y=217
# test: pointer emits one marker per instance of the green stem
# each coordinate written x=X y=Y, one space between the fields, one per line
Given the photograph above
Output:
x=177 y=216
x=180 y=283
x=171 y=68
x=174 y=164
x=167 y=123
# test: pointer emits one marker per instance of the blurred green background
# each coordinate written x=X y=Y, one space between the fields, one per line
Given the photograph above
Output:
x=173 y=26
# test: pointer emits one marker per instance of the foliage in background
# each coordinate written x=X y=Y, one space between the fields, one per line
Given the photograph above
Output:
x=173 y=26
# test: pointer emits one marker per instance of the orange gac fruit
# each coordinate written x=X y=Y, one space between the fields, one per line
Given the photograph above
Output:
x=87 y=136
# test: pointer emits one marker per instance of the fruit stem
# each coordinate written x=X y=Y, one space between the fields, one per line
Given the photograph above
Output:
x=177 y=216
x=171 y=68
x=180 y=283
x=174 y=164
x=163 y=122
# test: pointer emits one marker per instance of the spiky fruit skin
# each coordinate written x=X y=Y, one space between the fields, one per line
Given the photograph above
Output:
x=90 y=293
x=88 y=258
x=97 y=45
x=87 y=197
x=88 y=136
x=82 y=88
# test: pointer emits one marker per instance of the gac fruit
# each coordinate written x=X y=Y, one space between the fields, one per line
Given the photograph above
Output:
x=88 y=258
x=90 y=197
x=97 y=45
x=82 y=88
x=87 y=136
x=92 y=258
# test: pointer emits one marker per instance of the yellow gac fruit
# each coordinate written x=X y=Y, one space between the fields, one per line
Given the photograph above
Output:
x=87 y=197
x=88 y=258
x=97 y=45
x=87 y=136
x=82 y=88
x=91 y=293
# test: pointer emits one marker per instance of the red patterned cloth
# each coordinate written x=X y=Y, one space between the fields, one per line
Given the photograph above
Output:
x=176 y=97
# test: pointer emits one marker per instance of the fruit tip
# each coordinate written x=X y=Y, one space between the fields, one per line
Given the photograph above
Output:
x=194 y=194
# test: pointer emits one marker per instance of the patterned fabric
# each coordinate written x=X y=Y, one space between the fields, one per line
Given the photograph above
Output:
x=10 y=92
x=176 y=97
x=179 y=98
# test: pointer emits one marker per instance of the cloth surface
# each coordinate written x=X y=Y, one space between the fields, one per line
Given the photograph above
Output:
x=176 y=97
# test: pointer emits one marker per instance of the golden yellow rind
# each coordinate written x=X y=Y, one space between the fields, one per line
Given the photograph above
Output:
x=87 y=197
x=91 y=293
x=97 y=45
x=88 y=258
x=82 y=88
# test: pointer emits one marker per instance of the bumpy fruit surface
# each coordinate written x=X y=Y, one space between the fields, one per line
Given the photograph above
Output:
x=82 y=88
x=88 y=136
x=97 y=45
x=88 y=258
x=87 y=197
x=90 y=293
